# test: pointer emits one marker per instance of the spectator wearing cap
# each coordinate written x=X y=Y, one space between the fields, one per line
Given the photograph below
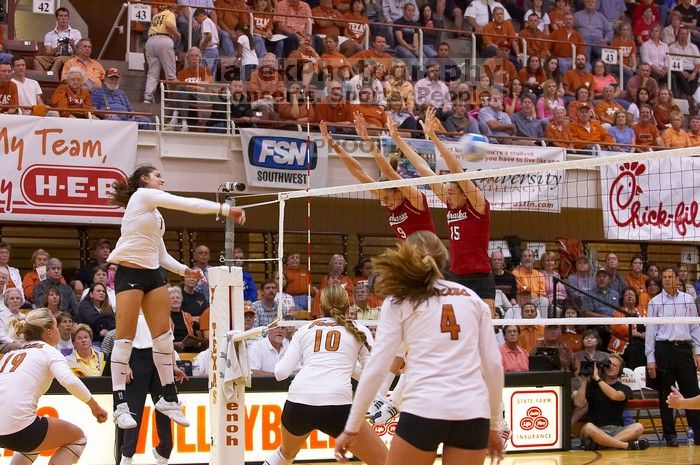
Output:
x=98 y=257
x=111 y=97
x=586 y=131
x=495 y=30
x=94 y=72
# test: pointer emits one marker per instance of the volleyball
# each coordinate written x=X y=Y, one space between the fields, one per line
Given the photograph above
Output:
x=474 y=146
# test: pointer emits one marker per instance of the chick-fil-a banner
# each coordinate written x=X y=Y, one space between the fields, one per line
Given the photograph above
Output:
x=61 y=170
x=655 y=200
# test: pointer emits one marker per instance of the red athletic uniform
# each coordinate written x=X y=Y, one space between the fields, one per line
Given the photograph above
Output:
x=469 y=240
x=406 y=219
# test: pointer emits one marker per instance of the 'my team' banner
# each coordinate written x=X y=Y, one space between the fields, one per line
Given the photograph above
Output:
x=654 y=200
x=284 y=159
x=61 y=169
x=540 y=192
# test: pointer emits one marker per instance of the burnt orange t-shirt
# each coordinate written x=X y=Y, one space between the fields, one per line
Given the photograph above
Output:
x=8 y=95
x=323 y=14
x=262 y=22
x=355 y=29
x=628 y=47
x=645 y=133
x=198 y=74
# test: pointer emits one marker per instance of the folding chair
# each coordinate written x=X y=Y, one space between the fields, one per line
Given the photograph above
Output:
x=637 y=384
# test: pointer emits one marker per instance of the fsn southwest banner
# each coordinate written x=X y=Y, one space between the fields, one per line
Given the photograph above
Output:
x=540 y=192
x=284 y=159
x=655 y=200
x=61 y=170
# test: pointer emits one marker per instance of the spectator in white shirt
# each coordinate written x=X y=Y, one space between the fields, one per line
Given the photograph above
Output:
x=432 y=90
x=264 y=354
x=29 y=90
x=480 y=12
x=209 y=43
x=655 y=52
x=59 y=43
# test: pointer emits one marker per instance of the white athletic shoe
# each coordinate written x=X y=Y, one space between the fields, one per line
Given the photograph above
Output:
x=160 y=460
x=123 y=417
x=277 y=459
x=386 y=413
x=375 y=406
x=125 y=460
x=172 y=410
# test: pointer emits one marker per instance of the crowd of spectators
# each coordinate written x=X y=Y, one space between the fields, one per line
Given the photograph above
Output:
x=328 y=52
x=528 y=287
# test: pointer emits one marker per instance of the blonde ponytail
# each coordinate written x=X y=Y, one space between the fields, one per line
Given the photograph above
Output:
x=32 y=327
x=335 y=304
x=409 y=271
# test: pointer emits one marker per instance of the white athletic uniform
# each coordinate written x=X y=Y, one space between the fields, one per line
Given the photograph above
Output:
x=453 y=366
x=328 y=353
x=25 y=375
x=141 y=240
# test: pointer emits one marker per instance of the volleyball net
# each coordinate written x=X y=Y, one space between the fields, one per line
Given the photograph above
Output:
x=644 y=202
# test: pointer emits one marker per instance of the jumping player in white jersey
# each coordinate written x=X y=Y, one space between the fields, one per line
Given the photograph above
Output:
x=26 y=374
x=139 y=283
x=451 y=354
x=321 y=394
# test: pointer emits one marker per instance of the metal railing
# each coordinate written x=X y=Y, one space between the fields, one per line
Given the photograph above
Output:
x=211 y=102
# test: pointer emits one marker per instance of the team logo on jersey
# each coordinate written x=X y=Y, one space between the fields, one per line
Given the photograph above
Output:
x=397 y=219
x=285 y=153
x=456 y=216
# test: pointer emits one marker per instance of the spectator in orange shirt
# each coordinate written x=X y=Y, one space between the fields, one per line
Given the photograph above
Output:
x=267 y=80
x=577 y=77
x=606 y=109
x=531 y=286
x=92 y=69
x=333 y=108
x=558 y=128
x=531 y=34
x=303 y=63
x=675 y=137
x=645 y=131
x=694 y=132
x=499 y=68
x=530 y=335
x=532 y=76
x=72 y=94
x=356 y=29
x=586 y=132
x=376 y=52
x=332 y=61
x=583 y=97
x=262 y=30
x=372 y=114
x=228 y=20
x=496 y=30
x=665 y=105
x=564 y=37
x=326 y=24
x=8 y=90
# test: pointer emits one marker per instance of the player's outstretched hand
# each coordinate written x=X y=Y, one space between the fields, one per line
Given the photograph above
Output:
x=342 y=446
x=496 y=446
x=237 y=214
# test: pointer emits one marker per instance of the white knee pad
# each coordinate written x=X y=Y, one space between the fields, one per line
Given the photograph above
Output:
x=24 y=458
x=121 y=352
x=163 y=344
x=72 y=451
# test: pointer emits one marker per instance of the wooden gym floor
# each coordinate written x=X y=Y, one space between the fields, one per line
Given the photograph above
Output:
x=653 y=456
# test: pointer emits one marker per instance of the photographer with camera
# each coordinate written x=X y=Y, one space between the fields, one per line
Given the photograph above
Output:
x=59 y=43
x=605 y=396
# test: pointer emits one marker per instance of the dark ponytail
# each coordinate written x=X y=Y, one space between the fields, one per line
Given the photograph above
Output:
x=123 y=190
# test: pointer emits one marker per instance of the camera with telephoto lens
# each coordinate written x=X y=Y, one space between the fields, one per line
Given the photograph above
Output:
x=587 y=367
x=64 y=46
